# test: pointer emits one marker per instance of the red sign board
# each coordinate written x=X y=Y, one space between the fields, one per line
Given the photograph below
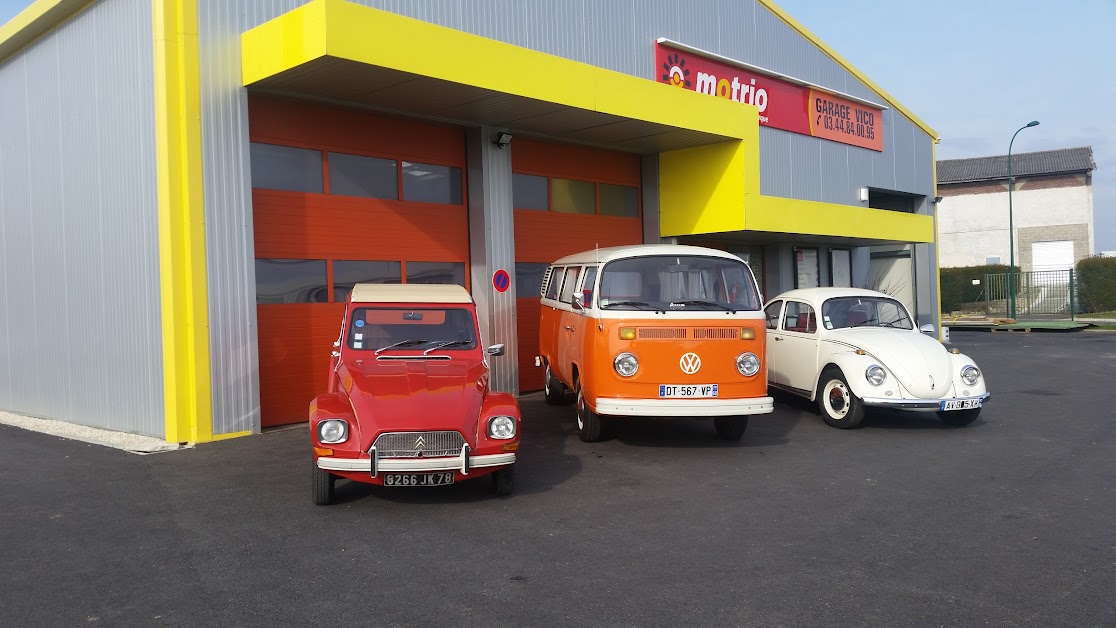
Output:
x=501 y=281
x=782 y=105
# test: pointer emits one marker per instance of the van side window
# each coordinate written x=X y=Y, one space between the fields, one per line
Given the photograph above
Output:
x=555 y=275
x=771 y=313
x=568 y=284
x=587 y=285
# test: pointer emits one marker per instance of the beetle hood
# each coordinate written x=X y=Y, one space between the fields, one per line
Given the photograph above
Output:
x=920 y=363
x=413 y=395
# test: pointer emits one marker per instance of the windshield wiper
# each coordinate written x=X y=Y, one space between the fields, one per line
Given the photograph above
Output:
x=446 y=343
x=632 y=303
x=402 y=343
x=701 y=302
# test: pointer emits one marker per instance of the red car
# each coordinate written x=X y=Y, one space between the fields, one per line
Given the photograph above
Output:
x=408 y=401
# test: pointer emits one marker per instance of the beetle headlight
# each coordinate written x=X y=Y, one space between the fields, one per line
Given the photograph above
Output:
x=748 y=364
x=332 y=431
x=970 y=375
x=875 y=375
x=625 y=364
x=501 y=427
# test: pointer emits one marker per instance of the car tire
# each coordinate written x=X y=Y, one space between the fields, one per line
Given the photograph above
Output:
x=589 y=426
x=503 y=481
x=554 y=390
x=321 y=485
x=959 y=418
x=730 y=428
x=839 y=407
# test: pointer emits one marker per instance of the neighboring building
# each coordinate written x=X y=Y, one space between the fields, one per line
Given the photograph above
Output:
x=182 y=210
x=1052 y=209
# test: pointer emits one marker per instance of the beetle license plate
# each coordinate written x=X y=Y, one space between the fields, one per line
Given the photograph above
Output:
x=960 y=404
x=417 y=479
x=687 y=391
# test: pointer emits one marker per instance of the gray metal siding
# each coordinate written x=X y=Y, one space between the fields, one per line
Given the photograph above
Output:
x=80 y=328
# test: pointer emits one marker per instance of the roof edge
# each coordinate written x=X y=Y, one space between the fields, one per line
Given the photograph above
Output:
x=814 y=39
x=32 y=23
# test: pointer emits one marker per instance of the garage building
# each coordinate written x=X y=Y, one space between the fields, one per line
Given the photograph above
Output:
x=189 y=188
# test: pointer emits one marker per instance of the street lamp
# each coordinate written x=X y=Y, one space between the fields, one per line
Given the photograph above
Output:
x=1011 y=226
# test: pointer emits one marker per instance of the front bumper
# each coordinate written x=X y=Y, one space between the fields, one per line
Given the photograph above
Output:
x=918 y=405
x=414 y=465
x=685 y=407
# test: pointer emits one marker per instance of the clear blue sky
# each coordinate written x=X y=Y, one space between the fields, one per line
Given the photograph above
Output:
x=977 y=70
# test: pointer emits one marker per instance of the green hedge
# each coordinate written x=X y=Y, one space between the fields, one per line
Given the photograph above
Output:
x=1096 y=284
x=957 y=284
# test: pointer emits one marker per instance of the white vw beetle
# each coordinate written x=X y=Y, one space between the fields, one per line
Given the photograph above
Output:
x=848 y=348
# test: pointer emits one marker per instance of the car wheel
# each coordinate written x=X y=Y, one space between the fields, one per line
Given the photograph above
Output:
x=589 y=426
x=503 y=481
x=839 y=406
x=730 y=428
x=960 y=418
x=321 y=485
x=554 y=390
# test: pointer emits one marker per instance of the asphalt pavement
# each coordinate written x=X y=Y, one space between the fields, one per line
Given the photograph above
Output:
x=904 y=522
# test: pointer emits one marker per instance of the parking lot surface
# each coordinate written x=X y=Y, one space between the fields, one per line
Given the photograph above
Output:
x=904 y=522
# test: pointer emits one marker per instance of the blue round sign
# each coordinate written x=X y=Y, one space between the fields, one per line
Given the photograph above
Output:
x=501 y=280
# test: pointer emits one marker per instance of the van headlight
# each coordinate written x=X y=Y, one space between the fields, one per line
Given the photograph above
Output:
x=748 y=364
x=875 y=375
x=626 y=364
x=333 y=431
x=501 y=427
x=970 y=375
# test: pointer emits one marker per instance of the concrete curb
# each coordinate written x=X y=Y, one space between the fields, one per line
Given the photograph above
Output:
x=132 y=443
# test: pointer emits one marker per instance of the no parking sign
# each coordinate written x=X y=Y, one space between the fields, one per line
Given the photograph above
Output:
x=501 y=280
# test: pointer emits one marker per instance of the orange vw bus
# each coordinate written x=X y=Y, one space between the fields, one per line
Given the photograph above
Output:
x=654 y=330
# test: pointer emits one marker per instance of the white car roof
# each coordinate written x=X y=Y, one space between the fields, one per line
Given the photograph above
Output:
x=817 y=295
x=611 y=253
x=409 y=293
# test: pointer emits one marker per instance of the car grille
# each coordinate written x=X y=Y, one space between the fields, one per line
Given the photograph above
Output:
x=721 y=333
x=418 y=444
x=681 y=333
x=661 y=333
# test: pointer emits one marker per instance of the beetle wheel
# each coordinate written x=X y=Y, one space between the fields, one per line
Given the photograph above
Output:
x=839 y=407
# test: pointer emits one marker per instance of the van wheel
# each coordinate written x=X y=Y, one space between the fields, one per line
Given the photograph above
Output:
x=589 y=427
x=503 y=481
x=839 y=407
x=555 y=390
x=730 y=428
x=321 y=485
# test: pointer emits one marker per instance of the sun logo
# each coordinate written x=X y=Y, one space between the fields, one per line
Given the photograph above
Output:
x=676 y=72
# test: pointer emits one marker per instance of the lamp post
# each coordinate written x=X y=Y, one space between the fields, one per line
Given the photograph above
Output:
x=1011 y=226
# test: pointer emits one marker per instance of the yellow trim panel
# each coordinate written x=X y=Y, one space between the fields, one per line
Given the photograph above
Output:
x=182 y=271
x=788 y=215
x=38 y=19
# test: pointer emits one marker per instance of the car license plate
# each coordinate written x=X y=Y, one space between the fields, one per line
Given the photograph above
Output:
x=687 y=391
x=961 y=404
x=418 y=479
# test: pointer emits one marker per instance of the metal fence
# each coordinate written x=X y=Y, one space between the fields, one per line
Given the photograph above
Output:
x=1039 y=295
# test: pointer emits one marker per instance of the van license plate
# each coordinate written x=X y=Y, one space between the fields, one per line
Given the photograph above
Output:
x=687 y=391
x=961 y=404
x=417 y=479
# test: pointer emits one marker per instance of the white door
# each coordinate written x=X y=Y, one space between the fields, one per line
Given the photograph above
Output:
x=1056 y=255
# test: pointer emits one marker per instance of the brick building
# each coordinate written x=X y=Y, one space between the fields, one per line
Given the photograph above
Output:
x=1052 y=207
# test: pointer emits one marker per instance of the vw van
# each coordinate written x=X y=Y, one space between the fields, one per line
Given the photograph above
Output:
x=654 y=331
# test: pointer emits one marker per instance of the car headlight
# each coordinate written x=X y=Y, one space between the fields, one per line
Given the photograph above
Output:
x=875 y=375
x=970 y=375
x=626 y=364
x=748 y=364
x=501 y=427
x=332 y=431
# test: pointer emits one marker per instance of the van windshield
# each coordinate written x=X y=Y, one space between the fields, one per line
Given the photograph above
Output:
x=673 y=282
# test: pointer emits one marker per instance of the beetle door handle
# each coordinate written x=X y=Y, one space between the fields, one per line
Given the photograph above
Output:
x=778 y=339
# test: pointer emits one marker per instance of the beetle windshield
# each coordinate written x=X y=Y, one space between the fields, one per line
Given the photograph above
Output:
x=843 y=312
x=674 y=282
x=390 y=329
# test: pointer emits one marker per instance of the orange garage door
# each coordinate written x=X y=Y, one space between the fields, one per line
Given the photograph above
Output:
x=567 y=199
x=341 y=197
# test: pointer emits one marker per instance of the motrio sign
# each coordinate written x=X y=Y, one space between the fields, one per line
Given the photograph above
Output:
x=782 y=104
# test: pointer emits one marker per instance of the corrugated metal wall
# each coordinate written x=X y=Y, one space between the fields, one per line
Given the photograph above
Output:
x=614 y=34
x=80 y=329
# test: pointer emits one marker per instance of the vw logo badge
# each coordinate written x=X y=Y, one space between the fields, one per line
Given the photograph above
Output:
x=690 y=363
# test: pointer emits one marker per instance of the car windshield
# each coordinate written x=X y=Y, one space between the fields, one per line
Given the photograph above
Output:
x=678 y=282
x=389 y=329
x=846 y=312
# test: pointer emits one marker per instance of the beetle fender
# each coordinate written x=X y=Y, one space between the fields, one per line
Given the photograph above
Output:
x=853 y=366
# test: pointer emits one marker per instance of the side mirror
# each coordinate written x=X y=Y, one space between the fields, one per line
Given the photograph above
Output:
x=495 y=350
x=578 y=302
x=929 y=330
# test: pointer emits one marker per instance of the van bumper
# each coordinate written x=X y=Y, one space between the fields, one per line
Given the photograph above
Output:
x=684 y=407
